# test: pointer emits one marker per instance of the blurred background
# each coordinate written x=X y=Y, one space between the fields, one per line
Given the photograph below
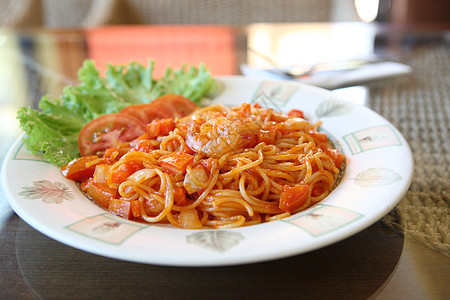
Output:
x=43 y=43
x=88 y=13
x=108 y=41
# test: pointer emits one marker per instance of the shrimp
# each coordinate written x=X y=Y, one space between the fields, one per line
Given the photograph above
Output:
x=222 y=133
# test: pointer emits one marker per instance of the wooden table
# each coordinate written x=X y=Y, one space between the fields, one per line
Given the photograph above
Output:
x=377 y=263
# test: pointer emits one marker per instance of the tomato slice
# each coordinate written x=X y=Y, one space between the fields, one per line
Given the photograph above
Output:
x=177 y=105
x=108 y=131
x=147 y=112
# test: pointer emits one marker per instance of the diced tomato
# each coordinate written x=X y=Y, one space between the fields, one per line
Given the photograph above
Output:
x=245 y=109
x=136 y=208
x=77 y=170
x=183 y=127
x=177 y=105
x=267 y=136
x=208 y=164
x=176 y=162
x=143 y=146
x=296 y=113
x=291 y=125
x=319 y=136
x=83 y=185
x=142 y=137
x=125 y=170
x=147 y=112
x=111 y=155
x=179 y=196
x=336 y=156
x=100 y=192
x=108 y=131
x=294 y=197
x=121 y=208
x=160 y=127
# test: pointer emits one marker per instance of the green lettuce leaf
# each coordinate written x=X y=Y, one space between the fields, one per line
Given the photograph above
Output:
x=54 y=137
x=53 y=129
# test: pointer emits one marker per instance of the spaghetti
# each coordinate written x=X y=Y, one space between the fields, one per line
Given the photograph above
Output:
x=218 y=167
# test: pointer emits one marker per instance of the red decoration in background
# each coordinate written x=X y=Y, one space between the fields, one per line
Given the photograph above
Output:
x=172 y=46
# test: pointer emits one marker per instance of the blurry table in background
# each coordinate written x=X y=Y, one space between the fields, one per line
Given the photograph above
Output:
x=376 y=263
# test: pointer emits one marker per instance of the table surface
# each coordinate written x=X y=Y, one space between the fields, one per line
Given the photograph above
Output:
x=377 y=263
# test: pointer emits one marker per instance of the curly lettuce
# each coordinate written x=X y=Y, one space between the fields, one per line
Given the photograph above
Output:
x=52 y=131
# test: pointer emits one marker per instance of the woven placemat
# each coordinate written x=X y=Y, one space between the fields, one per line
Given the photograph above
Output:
x=419 y=106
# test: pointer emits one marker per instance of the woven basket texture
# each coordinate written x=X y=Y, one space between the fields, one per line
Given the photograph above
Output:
x=420 y=108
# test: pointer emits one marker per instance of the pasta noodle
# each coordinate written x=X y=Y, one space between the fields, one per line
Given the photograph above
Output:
x=218 y=167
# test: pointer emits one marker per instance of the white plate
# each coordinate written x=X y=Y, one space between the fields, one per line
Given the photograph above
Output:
x=378 y=173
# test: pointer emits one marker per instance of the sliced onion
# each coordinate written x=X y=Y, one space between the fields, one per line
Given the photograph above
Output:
x=142 y=175
x=189 y=219
x=195 y=179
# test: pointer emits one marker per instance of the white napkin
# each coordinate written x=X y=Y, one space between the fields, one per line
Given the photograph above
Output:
x=335 y=79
